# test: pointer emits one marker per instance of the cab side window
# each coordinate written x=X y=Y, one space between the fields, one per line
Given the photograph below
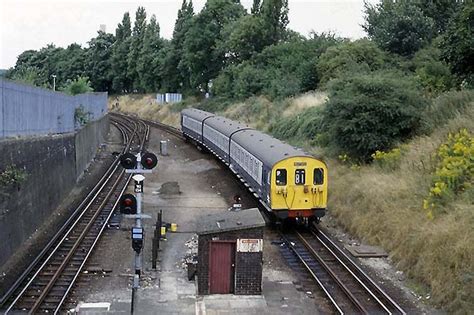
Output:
x=318 y=176
x=300 y=177
x=281 y=177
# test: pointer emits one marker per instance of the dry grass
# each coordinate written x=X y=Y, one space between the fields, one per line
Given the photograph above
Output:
x=144 y=106
x=385 y=208
x=302 y=102
x=255 y=112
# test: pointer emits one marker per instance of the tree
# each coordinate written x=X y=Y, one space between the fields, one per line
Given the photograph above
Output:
x=244 y=38
x=123 y=32
x=147 y=64
x=432 y=72
x=201 y=55
x=256 y=7
x=99 y=61
x=441 y=11
x=361 y=56
x=175 y=73
x=399 y=27
x=458 y=43
x=71 y=64
x=136 y=45
x=372 y=112
x=274 y=14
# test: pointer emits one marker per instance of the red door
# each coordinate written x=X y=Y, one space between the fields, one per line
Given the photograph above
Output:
x=221 y=266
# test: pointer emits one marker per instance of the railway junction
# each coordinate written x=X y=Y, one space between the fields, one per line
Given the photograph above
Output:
x=187 y=186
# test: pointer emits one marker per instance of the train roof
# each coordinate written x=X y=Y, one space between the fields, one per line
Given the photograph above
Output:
x=197 y=114
x=266 y=148
x=225 y=126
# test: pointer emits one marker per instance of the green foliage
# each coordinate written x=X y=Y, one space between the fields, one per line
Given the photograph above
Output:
x=455 y=170
x=361 y=56
x=201 y=54
x=81 y=116
x=398 y=26
x=78 y=86
x=28 y=75
x=148 y=64
x=372 y=112
x=123 y=33
x=274 y=15
x=431 y=72
x=441 y=11
x=458 y=43
x=278 y=71
x=305 y=125
x=244 y=38
x=99 y=61
x=12 y=176
x=175 y=74
x=136 y=46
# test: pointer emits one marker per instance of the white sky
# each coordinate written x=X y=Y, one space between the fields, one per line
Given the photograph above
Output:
x=29 y=24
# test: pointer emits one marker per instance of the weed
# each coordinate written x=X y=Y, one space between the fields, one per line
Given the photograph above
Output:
x=12 y=176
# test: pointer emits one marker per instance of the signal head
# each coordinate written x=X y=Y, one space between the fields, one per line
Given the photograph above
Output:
x=128 y=204
x=149 y=160
x=128 y=160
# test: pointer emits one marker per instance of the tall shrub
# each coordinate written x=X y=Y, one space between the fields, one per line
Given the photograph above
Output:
x=372 y=112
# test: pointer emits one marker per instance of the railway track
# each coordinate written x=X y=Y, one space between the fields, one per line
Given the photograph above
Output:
x=47 y=282
x=348 y=288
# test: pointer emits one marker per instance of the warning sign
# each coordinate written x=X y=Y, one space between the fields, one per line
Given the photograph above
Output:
x=249 y=245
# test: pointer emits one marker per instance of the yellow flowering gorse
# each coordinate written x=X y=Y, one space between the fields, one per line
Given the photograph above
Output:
x=454 y=171
x=387 y=160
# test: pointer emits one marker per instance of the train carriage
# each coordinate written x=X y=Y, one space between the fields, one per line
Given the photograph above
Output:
x=217 y=132
x=289 y=182
x=192 y=123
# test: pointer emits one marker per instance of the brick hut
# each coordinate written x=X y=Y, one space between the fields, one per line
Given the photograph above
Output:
x=230 y=252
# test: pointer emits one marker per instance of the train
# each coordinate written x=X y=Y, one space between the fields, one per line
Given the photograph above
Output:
x=290 y=183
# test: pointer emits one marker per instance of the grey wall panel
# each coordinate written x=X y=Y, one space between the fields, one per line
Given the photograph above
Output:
x=28 y=110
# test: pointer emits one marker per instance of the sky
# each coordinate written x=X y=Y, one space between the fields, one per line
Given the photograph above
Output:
x=30 y=24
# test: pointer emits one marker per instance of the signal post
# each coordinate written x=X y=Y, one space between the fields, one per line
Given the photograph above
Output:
x=131 y=206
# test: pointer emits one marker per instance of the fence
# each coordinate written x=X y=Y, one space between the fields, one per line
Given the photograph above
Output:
x=169 y=98
x=27 y=110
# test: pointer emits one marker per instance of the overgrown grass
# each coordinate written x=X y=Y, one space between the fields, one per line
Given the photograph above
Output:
x=145 y=107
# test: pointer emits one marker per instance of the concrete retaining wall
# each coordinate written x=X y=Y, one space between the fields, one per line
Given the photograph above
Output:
x=87 y=141
x=52 y=164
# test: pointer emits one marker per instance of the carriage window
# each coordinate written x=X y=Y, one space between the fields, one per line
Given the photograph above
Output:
x=318 y=176
x=281 y=177
x=300 y=177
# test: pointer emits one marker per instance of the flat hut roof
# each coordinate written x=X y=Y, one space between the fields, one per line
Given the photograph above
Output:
x=230 y=221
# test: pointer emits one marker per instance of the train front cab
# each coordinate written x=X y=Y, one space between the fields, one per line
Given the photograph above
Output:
x=299 y=188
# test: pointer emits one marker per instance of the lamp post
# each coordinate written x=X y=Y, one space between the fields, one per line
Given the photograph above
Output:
x=54 y=82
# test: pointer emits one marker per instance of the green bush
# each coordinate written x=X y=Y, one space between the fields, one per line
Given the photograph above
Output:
x=12 y=176
x=361 y=56
x=78 y=86
x=431 y=72
x=303 y=126
x=372 y=112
